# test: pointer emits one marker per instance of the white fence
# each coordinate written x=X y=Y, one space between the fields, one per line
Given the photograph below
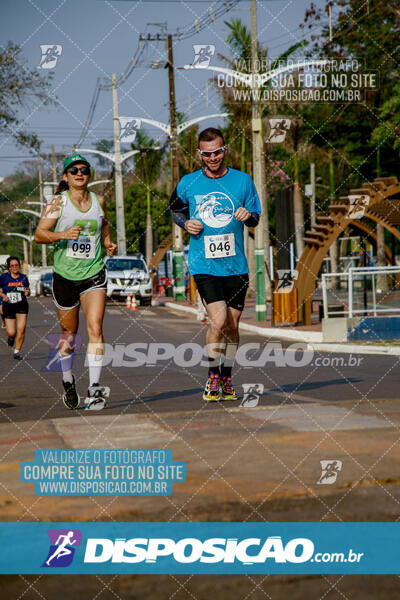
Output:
x=358 y=275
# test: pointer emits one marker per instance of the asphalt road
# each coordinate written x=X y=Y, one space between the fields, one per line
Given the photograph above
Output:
x=30 y=391
x=258 y=462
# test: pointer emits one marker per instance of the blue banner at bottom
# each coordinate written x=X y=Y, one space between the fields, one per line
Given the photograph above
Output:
x=200 y=548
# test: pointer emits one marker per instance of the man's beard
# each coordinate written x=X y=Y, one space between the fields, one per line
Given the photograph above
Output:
x=214 y=167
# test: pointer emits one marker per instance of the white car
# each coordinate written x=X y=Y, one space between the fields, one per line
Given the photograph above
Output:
x=128 y=275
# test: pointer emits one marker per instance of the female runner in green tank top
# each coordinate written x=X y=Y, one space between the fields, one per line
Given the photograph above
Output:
x=75 y=222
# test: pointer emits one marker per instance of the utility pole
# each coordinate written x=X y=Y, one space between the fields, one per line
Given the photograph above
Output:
x=381 y=279
x=149 y=230
x=333 y=250
x=179 y=275
x=298 y=208
x=149 y=226
x=26 y=239
x=30 y=243
x=119 y=192
x=313 y=194
x=44 y=254
x=261 y=232
x=54 y=163
x=26 y=255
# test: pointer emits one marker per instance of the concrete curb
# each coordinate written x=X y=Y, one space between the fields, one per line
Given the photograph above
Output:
x=346 y=348
x=282 y=334
x=291 y=335
x=180 y=307
x=312 y=338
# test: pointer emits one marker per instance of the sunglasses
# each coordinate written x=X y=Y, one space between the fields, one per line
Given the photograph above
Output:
x=76 y=170
x=209 y=153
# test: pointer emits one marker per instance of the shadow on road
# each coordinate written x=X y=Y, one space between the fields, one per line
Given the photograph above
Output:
x=154 y=398
x=313 y=385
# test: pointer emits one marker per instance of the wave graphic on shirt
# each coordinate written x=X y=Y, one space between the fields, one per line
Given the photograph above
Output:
x=213 y=213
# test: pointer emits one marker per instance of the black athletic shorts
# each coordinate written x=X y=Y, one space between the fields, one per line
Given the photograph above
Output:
x=232 y=289
x=17 y=308
x=66 y=293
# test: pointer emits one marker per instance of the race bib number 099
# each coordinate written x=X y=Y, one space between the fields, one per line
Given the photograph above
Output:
x=84 y=247
x=219 y=246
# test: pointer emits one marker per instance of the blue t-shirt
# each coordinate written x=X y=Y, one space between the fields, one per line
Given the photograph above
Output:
x=214 y=202
x=14 y=286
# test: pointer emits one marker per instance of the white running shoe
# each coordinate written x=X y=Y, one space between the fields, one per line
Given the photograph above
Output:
x=97 y=396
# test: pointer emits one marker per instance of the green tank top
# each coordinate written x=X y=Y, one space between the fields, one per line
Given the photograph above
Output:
x=81 y=258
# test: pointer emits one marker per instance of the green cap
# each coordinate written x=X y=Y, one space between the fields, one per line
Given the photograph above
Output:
x=75 y=158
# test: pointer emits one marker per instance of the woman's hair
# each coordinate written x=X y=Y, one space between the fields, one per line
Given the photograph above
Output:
x=62 y=186
x=10 y=258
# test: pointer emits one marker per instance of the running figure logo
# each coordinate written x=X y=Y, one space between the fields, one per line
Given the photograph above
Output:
x=62 y=547
x=285 y=281
x=251 y=394
x=202 y=55
x=71 y=342
x=278 y=130
x=357 y=206
x=128 y=129
x=50 y=56
x=330 y=471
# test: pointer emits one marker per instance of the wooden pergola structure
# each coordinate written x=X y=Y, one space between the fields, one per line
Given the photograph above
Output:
x=377 y=201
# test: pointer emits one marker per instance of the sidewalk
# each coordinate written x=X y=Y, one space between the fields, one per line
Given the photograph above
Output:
x=309 y=334
x=226 y=449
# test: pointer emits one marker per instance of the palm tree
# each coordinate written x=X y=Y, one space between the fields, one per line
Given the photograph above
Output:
x=147 y=169
x=239 y=41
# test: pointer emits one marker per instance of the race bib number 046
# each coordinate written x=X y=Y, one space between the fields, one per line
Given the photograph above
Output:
x=219 y=246
x=83 y=247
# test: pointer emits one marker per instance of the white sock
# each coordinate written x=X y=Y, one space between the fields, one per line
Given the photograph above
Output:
x=16 y=351
x=66 y=366
x=95 y=362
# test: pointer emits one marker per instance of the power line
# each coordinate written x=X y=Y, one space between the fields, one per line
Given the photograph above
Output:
x=103 y=83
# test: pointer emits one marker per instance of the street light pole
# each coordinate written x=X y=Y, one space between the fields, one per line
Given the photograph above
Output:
x=179 y=273
x=167 y=129
x=119 y=193
x=26 y=239
x=54 y=162
x=123 y=158
x=259 y=176
x=313 y=193
x=44 y=254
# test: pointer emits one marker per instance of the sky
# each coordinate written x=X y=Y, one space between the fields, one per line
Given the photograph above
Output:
x=99 y=37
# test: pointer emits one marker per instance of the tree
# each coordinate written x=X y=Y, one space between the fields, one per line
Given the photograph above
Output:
x=20 y=87
x=361 y=135
x=368 y=32
x=240 y=137
x=238 y=103
x=104 y=146
x=147 y=169
x=187 y=145
x=15 y=190
x=135 y=198
x=388 y=130
x=239 y=107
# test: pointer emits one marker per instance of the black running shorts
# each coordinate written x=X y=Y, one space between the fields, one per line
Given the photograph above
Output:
x=66 y=293
x=16 y=308
x=232 y=289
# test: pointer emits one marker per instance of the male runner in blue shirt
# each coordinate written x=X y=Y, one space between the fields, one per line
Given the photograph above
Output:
x=213 y=205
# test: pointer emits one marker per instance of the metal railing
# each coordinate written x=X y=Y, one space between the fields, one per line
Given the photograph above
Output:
x=352 y=275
